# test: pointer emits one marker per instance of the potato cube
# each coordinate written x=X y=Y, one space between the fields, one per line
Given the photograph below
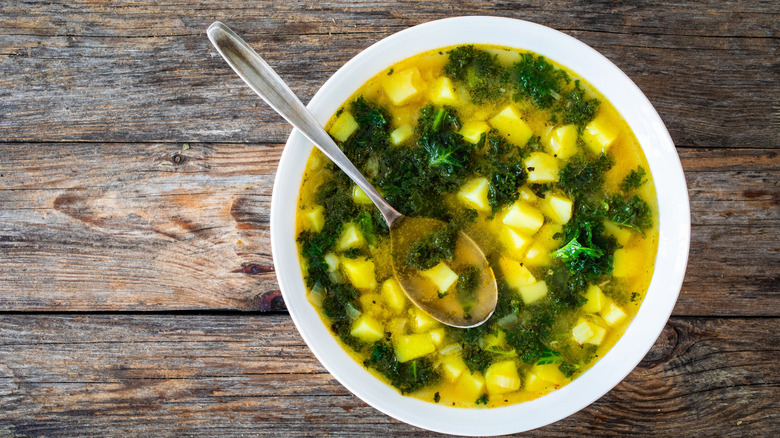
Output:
x=598 y=335
x=515 y=274
x=409 y=347
x=511 y=126
x=537 y=255
x=332 y=261
x=437 y=336
x=534 y=292
x=514 y=242
x=343 y=127
x=360 y=273
x=582 y=331
x=549 y=373
x=523 y=217
x=595 y=299
x=393 y=296
x=367 y=329
x=557 y=207
x=622 y=235
x=563 y=141
x=471 y=385
x=588 y=332
x=613 y=314
x=421 y=322
x=351 y=237
x=537 y=385
x=474 y=194
x=599 y=135
x=400 y=87
x=441 y=275
x=452 y=367
x=542 y=168
x=502 y=377
x=360 y=197
x=314 y=218
x=443 y=93
x=527 y=195
x=401 y=133
x=473 y=130
x=626 y=262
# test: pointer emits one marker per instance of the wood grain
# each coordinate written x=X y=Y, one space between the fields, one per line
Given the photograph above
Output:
x=121 y=226
x=229 y=375
x=98 y=71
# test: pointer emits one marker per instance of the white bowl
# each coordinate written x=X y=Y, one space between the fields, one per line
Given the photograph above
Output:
x=674 y=214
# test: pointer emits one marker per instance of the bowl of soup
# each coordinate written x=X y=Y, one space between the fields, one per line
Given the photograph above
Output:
x=546 y=155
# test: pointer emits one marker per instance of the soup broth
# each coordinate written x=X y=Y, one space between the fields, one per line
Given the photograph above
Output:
x=530 y=161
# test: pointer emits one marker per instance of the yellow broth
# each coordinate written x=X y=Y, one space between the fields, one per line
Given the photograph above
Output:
x=380 y=313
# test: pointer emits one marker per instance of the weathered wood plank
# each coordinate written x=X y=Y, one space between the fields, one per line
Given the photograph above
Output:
x=169 y=375
x=122 y=227
x=145 y=71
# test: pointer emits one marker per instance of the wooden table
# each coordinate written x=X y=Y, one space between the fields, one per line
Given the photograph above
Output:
x=137 y=292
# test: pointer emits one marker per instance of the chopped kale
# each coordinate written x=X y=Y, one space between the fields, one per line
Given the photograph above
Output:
x=482 y=400
x=581 y=178
x=426 y=252
x=575 y=108
x=477 y=70
x=536 y=78
x=634 y=180
x=630 y=213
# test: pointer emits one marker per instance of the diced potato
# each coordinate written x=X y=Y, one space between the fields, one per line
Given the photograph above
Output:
x=557 y=207
x=473 y=130
x=599 y=135
x=393 y=296
x=549 y=373
x=471 y=385
x=563 y=141
x=515 y=274
x=437 y=336
x=595 y=299
x=527 y=195
x=588 y=332
x=504 y=57
x=443 y=93
x=371 y=304
x=397 y=326
x=409 y=347
x=314 y=218
x=360 y=197
x=441 y=275
x=626 y=262
x=502 y=377
x=452 y=367
x=537 y=385
x=542 y=168
x=421 y=322
x=497 y=339
x=343 y=127
x=351 y=237
x=582 y=331
x=523 y=217
x=332 y=261
x=401 y=86
x=514 y=242
x=613 y=314
x=533 y=293
x=475 y=194
x=360 y=273
x=537 y=255
x=401 y=133
x=367 y=329
x=511 y=126
x=622 y=235
x=598 y=335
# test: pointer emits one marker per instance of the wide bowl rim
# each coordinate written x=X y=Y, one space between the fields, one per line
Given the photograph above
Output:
x=674 y=227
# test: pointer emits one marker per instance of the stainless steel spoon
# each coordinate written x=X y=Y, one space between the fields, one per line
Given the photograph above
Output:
x=450 y=309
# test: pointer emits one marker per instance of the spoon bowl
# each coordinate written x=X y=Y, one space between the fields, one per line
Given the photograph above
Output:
x=467 y=309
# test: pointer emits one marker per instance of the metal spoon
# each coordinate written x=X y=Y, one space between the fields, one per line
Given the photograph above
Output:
x=450 y=309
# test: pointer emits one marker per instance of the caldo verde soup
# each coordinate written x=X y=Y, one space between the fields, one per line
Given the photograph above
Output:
x=532 y=163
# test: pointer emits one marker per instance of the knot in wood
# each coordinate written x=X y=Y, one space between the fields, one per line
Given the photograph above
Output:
x=178 y=159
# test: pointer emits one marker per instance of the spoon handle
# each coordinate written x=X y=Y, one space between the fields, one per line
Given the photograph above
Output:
x=268 y=85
